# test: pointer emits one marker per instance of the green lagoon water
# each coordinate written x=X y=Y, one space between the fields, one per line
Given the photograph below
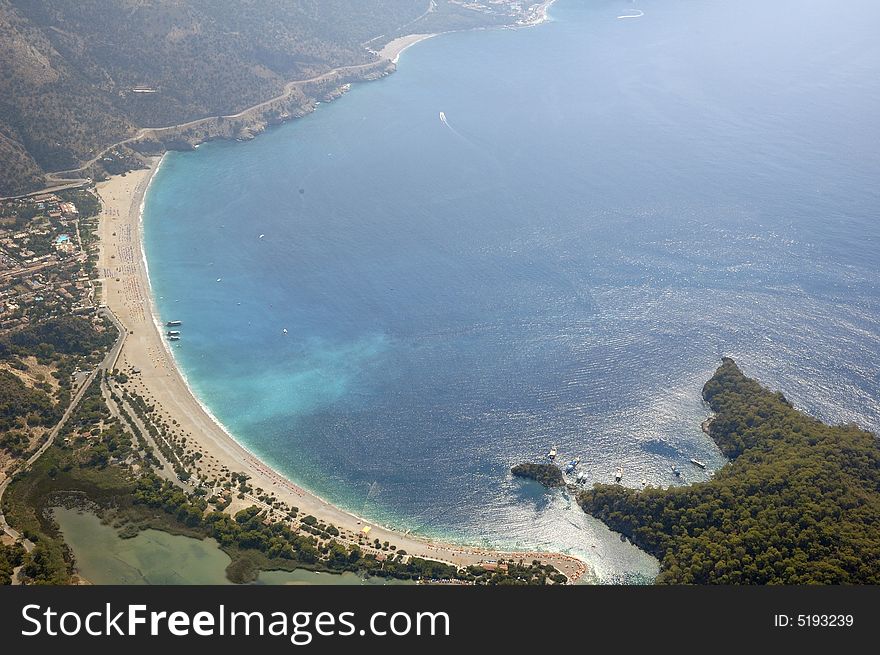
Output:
x=612 y=205
x=154 y=557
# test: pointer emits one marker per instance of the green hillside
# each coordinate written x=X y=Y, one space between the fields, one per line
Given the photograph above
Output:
x=76 y=77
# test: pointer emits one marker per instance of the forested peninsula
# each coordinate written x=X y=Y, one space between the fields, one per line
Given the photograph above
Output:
x=798 y=503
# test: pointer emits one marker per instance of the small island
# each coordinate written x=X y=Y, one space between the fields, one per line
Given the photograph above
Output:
x=547 y=474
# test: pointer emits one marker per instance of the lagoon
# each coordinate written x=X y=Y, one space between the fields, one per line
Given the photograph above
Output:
x=151 y=557
x=154 y=557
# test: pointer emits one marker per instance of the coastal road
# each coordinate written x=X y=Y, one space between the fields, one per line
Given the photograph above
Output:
x=107 y=363
x=60 y=183
x=72 y=184
x=289 y=87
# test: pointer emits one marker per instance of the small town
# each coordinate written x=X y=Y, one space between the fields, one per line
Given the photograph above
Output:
x=44 y=257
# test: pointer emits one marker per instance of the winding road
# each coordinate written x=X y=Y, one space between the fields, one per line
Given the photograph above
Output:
x=107 y=363
x=65 y=183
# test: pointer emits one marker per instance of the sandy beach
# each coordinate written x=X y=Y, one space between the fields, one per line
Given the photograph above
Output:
x=393 y=49
x=126 y=291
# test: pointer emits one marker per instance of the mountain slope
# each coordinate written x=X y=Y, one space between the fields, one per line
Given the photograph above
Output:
x=76 y=77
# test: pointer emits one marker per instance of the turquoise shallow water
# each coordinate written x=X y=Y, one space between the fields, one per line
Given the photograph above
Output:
x=612 y=206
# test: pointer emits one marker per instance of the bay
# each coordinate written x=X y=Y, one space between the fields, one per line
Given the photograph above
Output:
x=611 y=205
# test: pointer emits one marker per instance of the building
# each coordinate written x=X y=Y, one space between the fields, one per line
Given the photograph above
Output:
x=69 y=210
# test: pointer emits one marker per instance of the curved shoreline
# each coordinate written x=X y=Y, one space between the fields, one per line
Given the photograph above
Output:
x=389 y=54
x=127 y=291
x=392 y=50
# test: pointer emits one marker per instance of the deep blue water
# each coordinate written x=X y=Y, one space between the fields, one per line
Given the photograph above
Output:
x=613 y=205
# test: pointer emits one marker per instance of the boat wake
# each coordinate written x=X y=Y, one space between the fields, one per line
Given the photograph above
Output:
x=476 y=144
x=639 y=13
x=454 y=131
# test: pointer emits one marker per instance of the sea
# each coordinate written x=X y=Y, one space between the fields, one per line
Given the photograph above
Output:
x=393 y=308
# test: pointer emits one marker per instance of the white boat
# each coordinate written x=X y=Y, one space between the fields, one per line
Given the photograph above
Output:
x=697 y=462
x=618 y=475
x=581 y=477
x=552 y=453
